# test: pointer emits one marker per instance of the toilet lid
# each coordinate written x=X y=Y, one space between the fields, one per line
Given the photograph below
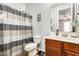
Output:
x=30 y=46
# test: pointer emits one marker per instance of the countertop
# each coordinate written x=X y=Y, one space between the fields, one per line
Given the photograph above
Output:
x=64 y=39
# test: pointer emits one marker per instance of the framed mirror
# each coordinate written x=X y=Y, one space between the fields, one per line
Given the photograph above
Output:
x=65 y=20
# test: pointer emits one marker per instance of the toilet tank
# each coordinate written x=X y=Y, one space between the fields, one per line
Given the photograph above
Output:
x=37 y=39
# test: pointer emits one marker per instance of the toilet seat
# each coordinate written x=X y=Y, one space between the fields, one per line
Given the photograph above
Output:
x=30 y=47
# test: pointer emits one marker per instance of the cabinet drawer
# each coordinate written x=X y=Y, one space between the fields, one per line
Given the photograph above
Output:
x=51 y=51
x=71 y=47
x=53 y=43
x=68 y=53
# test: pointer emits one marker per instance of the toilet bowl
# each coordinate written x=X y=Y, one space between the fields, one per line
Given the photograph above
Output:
x=31 y=48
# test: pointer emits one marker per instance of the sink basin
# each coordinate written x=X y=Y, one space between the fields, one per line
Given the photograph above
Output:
x=74 y=36
x=70 y=36
x=65 y=35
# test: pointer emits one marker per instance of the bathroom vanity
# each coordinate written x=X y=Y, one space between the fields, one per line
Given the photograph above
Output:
x=68 y=24
x=58 y=46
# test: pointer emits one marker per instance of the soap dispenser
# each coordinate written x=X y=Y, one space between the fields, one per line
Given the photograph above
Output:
x=57 y=32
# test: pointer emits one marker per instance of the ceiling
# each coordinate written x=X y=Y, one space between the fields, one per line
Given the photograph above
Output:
x=45 y=4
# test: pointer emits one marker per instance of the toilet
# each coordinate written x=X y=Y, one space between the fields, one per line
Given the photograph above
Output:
x=31 y=48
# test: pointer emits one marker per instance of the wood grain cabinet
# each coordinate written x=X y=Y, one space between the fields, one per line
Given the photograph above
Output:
x=71 y=49
x=59 y=48
x=69 y=53
x=53 y=48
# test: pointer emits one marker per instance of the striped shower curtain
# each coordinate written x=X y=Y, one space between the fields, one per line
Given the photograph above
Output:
x=15 y=31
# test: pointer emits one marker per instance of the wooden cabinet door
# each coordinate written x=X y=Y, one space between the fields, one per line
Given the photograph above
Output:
x=71 y=47
x=53 y=43
x=68 y=53
x=51 y=51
